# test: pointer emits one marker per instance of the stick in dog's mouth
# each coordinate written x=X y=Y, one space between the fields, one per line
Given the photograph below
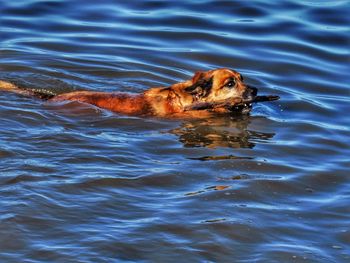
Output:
x=243 y=106
x=266 y=98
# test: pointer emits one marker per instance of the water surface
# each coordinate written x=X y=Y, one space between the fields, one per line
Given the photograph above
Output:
x=80 y=184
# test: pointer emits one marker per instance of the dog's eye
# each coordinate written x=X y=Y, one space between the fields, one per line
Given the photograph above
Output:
x=231 y=83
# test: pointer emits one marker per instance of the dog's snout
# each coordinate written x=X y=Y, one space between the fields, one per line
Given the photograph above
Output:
x=250 y=93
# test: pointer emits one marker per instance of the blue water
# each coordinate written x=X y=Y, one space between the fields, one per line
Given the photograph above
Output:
x=80 y=184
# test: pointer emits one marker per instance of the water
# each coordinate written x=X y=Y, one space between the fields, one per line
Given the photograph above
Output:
x=79 y=184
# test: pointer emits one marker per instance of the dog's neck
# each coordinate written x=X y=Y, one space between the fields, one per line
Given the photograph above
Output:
x=170 y=99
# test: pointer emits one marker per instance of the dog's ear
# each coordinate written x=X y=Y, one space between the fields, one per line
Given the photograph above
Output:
x=200 y=85
x=198 y=75
x=194 y=89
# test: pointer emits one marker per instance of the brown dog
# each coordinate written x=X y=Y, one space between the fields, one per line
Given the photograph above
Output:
x=214 y=91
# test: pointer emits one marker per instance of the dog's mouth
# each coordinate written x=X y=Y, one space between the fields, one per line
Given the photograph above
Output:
x=235 y=105
x=246 y=106
x=241 y=108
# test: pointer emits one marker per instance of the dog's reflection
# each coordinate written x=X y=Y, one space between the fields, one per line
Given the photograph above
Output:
x=220 y=132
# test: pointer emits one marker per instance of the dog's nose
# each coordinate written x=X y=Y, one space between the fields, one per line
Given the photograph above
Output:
x=250 y=93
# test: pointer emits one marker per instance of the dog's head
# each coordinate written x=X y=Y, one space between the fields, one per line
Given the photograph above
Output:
x=221 y=88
